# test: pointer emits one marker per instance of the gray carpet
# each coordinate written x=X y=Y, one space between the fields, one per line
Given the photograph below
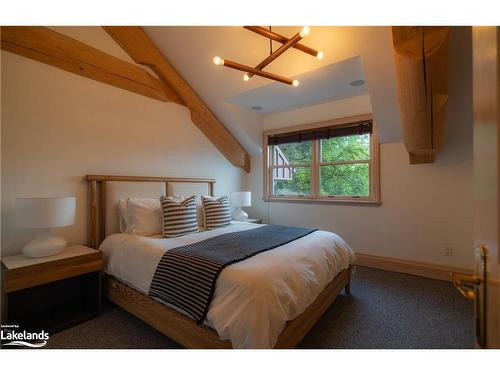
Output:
x=385 y=310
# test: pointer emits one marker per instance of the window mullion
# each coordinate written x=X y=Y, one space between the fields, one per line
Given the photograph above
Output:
x=270 y=184
x=315 y=168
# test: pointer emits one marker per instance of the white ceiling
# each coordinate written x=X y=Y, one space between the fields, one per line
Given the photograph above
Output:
x=327 y=83
x=190 y=49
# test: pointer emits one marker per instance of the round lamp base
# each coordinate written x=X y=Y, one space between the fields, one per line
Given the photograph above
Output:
x=239 y=214
x=45 y=245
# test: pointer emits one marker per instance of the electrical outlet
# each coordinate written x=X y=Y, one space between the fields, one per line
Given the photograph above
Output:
x=448 y=251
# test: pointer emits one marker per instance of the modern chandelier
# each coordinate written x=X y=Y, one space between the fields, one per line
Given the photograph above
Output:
x=286 y=44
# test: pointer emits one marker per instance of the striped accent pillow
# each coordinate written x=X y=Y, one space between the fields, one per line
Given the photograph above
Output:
x=216 y=212
x=179 y=218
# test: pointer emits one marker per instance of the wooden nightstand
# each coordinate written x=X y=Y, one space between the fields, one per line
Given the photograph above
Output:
x=51 y=293
x=255 y=221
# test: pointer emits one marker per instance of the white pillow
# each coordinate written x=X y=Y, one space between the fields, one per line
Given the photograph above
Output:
x=145 y=216
x=123 y=219
x=140 y=215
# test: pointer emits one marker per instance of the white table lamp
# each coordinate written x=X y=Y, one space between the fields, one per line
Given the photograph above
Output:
x=35 y=213
x=241 y=199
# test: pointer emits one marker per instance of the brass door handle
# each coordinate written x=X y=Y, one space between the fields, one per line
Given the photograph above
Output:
x=466 y=284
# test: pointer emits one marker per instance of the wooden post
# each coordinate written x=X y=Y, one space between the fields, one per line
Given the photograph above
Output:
x=421 y=59
x=102 y=211
x=93 y=214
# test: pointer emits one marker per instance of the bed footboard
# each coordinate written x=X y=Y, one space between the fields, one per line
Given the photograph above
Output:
x=186 y=332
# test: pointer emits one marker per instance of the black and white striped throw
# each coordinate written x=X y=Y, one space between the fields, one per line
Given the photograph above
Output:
x=186 y=276
x=179 y=218
x=216 y=211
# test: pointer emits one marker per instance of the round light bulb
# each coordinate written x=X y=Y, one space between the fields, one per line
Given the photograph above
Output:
x=246 y=77
x=320 y=55
x=305 y=31
x=218 y=60
x=295 y=83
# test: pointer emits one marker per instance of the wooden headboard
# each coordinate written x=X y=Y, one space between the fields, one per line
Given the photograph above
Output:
x=97 y=198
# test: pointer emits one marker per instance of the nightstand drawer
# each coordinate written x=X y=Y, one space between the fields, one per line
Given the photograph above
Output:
x=42 y=273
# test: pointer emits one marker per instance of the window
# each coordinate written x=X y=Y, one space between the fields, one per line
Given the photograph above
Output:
x=337 y=161
x=291 y=168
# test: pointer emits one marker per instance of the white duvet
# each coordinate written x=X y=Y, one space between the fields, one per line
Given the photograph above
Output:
x=253 y=298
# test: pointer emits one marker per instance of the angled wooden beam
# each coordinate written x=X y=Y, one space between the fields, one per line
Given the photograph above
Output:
x=52 y=48
x=421 y=61
x=282 y=39
x=273 y=56
x=141 y=48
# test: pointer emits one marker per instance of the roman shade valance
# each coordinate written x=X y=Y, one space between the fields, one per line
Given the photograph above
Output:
x=357 y=128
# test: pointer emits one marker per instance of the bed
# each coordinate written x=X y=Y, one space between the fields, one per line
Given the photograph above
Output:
x=270 y=300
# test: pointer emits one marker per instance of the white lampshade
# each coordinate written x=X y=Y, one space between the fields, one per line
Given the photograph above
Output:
x=241 y=199
x=45 y=212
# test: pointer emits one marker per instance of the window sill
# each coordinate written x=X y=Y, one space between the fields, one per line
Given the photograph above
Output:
x=348 y=201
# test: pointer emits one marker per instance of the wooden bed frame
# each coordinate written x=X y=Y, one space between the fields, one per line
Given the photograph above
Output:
x=175 y=325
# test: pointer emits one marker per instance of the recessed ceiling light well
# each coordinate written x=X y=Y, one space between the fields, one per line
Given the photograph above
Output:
x=357 y=82
x=256 y=107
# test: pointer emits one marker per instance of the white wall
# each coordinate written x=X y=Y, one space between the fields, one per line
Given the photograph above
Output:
x=425 y=208
x=57 y=127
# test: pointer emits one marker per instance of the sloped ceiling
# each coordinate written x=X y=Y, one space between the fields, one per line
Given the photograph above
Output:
x=191 y=50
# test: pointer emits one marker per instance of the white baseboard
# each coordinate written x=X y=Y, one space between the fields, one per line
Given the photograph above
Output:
x=432 y=271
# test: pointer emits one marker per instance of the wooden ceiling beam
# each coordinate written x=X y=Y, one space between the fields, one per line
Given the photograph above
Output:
x=52 y=48
x=143 y=51
x=421 y=61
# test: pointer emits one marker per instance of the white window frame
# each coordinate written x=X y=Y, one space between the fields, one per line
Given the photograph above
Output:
x=316 y=163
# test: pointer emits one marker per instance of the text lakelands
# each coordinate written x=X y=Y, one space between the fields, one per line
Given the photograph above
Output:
x=10 y=335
